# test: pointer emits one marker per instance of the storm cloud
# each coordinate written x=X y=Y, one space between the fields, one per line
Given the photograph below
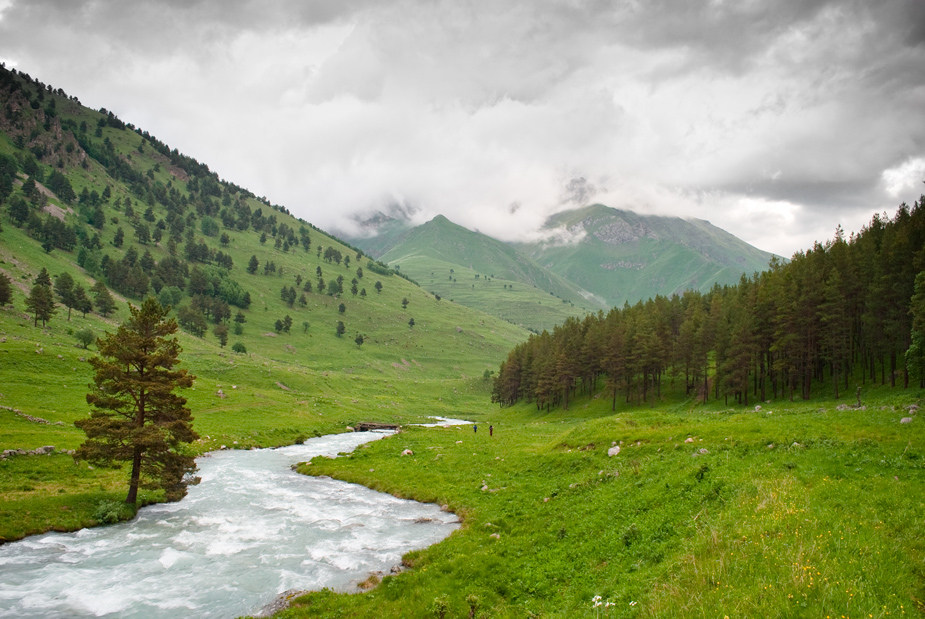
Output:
x=774 y=120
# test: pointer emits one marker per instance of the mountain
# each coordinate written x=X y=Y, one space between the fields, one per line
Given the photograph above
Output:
x=623 y=256
x=486 y=274
x=594 y=257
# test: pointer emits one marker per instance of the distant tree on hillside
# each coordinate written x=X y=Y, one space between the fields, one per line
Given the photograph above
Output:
x=287 y=323
x=64 y=288
x=341 y=308
x=85 y=337
x=119 y=239
x=359 y=340
x=19 y=211
x=411 y=323
x=252 y=265
x=192 y=320
x=82 y=302
x=404 y=303
x=6 y=290
x=341 y=329
x=104 y=302
x=378 y=287
x=41 y=302
x=278 y=325
x=221 y=332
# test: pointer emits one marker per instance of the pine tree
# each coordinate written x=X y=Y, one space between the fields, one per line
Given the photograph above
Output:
x=40 y=301
x=64 y=288
x=82 y=302
x=105 y=304
x=6 y=290
x=138 y=418
x=221 y=332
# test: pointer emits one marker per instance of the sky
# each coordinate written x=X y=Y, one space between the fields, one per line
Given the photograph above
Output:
x=775 y=120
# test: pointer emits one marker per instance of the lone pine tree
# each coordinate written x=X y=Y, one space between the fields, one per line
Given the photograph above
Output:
x=138 y=417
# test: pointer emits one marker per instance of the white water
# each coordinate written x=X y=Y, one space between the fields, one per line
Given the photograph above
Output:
x=250 y=530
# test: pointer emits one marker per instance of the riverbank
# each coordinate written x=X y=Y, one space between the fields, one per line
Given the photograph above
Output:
x=789 y=509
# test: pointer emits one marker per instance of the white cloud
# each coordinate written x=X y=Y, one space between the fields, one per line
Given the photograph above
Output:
x=906 y=178
x=776 y=121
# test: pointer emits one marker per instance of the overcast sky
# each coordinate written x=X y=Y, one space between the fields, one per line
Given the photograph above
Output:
x=775 y=120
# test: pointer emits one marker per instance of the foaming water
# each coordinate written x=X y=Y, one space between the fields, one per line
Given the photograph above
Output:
x=250 y=530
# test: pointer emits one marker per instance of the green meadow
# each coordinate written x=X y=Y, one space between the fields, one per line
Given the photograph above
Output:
x=794 y=510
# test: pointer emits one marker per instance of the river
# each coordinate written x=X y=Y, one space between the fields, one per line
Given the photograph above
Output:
x=252 y=529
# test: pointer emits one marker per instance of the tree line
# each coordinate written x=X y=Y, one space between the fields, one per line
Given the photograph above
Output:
x=852 y=309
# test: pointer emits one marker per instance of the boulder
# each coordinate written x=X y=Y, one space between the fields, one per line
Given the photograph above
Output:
x=702 y=451
x=906 y=420
x=613 y=451
x=689 y=439
x=407 y=452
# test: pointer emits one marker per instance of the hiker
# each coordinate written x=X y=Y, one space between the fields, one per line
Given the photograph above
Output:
x=491 y=430
x=475 y=428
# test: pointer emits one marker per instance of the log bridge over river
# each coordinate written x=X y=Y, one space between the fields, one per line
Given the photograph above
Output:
x=369 y=425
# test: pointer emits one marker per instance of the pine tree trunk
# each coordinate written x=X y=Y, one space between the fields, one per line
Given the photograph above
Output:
x=132 y=497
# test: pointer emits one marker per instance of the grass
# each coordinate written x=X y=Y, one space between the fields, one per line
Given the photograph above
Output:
x=801 y=511
x=519 y=303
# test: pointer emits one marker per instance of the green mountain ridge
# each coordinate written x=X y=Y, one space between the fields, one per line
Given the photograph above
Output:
x=483 y=273
x=627 y=257
x=595 y=257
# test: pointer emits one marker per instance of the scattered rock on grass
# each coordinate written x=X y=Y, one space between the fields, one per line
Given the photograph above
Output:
x=613 y=451
x=906 y=420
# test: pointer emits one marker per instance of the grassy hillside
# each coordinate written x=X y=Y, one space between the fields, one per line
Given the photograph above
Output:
x=623 y=256
x=480 y=272
x=288 y=384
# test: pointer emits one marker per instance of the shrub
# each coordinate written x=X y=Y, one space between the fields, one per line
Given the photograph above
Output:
x=111 y=512
x=85 y=337
x=239 y=347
